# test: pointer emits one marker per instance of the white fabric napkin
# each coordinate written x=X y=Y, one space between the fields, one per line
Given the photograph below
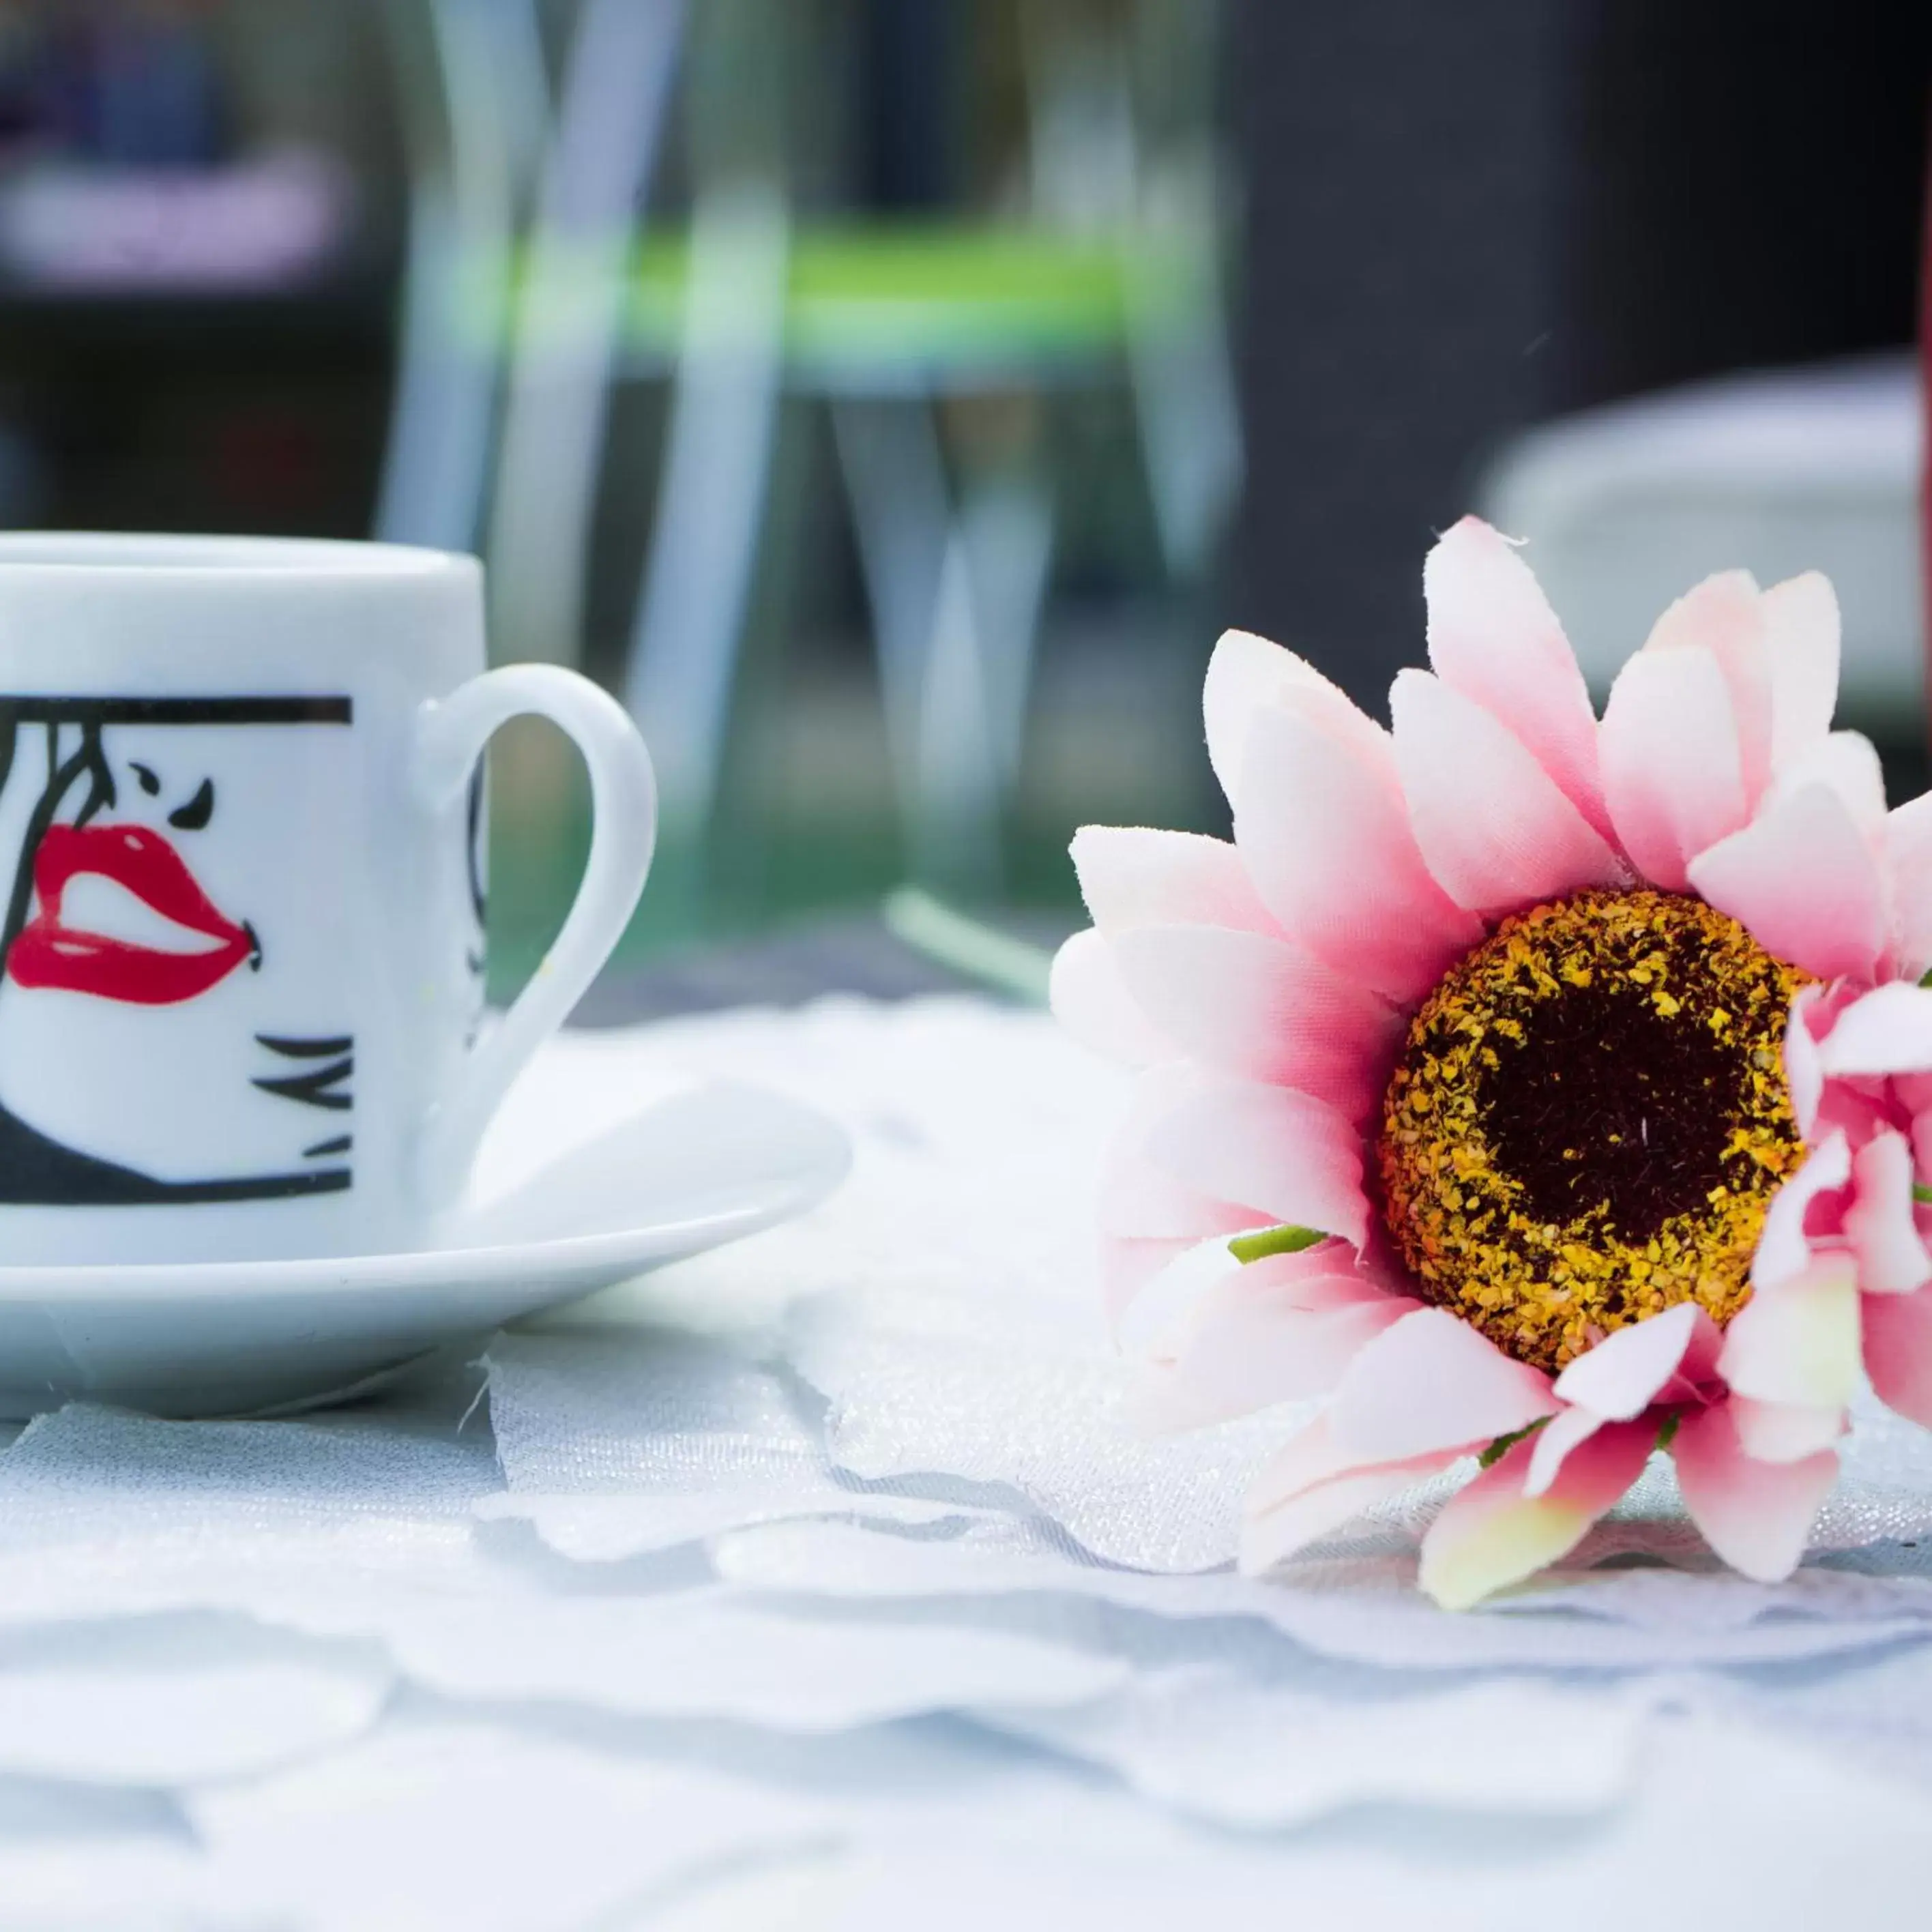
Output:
x=925 y=1350
x=824 y=1576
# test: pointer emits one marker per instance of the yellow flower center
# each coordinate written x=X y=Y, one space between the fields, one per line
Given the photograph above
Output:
x=1589 y=1120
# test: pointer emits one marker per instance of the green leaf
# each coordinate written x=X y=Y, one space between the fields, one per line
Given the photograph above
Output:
x=1503 y=1445
x=1666 y=1433
x=1925 y=978
x=1266 y=1241
x=1922 y=1193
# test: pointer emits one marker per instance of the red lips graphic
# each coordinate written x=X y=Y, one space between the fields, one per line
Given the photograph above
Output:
x=47 y=953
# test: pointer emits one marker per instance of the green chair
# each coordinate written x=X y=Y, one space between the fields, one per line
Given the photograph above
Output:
x=933 y=347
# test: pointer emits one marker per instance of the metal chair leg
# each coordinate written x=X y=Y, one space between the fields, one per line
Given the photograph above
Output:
x=570 y=318
x=1007 y=529
x=956 y=598
x=704 y=547
x=471 y=85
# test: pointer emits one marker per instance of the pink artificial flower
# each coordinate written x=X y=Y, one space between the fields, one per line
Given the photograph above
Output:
x=1281 y=989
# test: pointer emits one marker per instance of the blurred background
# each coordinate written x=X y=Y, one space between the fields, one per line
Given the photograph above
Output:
x=889 y=399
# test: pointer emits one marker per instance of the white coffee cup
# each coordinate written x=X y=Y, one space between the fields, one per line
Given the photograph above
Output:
x=240 y=908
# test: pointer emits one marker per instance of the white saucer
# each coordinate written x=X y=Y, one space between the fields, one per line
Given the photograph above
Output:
x=234 y=1337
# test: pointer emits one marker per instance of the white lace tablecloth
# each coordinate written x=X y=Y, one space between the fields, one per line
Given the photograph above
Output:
x=819 y=1582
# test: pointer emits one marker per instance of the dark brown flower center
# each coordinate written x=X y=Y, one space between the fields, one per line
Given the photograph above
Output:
x=1589 y=1120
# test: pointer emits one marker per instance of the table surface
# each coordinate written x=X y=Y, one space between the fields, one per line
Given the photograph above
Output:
x=859 y=955
x=822 y=1582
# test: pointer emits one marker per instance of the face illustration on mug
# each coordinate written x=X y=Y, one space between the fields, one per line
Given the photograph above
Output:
x=144 y=931
x=242 y=952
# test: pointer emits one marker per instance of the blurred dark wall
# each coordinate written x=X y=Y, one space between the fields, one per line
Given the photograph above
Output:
x=1742 y=186
x=1459 y=220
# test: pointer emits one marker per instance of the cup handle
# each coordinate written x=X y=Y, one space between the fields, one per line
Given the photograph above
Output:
x=450 y=736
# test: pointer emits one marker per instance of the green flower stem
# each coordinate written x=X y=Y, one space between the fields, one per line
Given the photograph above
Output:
x=1266 y=1241
x=1503 y=1445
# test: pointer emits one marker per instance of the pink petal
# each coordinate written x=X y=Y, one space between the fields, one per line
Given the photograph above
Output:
x=1292 y=1526
x=1801 y=643
x=1310 y=1456
x=1908 y=847
x=1129 y=1266
x=1090 y=1000
x=1804 y=1070
x=1846 y=763
x=1898 y=1353
x=1246 y=675
x=1261 y=1009
x=1858 y=1115
x=1671 y=769
x=1130 y=876
x=1432 y=1383
x=1888 y=1031
x=1309 y=1487
x=1314 y=1294
x=1802 y=880
x=1327 y=1265
x=1143 y=1199
x=1784 y=1432
x=1491 y=1533
x=1492 y=825
x=1248 y=1348
x=1622 y=1375
x=1493 y=637
x=1724 y=616
x=1698 y=1367
x=1139 y=1202
x=1798 y=1342
x=1755 y=1515
x=1881 y=1223
x=1552 y=1443
x=1324 y=830
x=1783 y=1252
x=1291 y=1157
